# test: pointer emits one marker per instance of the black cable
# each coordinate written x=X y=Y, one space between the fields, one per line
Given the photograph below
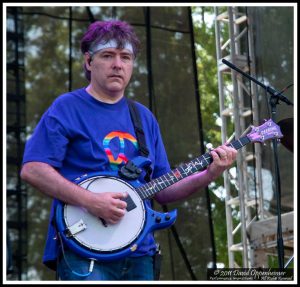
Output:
x=91 y=16
x=181 y=248
x=201 y=137
x=152 y=107
x=70 y=49
x=92 y=19
x=250 y=93
x=171 y=255
x=149 y=61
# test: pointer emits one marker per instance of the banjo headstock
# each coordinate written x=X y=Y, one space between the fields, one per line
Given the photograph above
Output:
x=266 y=131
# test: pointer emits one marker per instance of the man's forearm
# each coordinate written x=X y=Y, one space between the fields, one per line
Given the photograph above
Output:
x=184 y=187
x=47 y=180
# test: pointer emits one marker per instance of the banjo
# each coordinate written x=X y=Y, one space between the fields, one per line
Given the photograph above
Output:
x=92 y=238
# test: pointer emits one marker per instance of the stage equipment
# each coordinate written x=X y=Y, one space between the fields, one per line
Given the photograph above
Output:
x=273 y=101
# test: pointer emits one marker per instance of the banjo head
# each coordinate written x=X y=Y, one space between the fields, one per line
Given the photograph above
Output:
x=91 y=232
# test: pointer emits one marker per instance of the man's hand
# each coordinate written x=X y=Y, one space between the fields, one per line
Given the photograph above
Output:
x=108 y=206
x=223 y=157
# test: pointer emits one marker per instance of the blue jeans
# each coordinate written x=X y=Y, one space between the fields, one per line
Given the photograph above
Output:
x=130 y=268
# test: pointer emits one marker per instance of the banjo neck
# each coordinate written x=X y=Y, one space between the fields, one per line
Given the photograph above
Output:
x=149 y=189
x=93 y=238
x=268 y=130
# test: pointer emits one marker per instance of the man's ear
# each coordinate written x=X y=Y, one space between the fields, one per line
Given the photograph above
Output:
x=87 y=60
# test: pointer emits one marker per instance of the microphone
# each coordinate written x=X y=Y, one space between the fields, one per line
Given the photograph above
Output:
x=267 y=88
x=279 y=95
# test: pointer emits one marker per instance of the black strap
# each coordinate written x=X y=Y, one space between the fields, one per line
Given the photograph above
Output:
x=138 y=128
x=135 y=116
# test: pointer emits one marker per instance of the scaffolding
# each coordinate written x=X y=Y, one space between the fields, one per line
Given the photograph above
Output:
x=253 y=231
x=16 y=190
x=238 y=107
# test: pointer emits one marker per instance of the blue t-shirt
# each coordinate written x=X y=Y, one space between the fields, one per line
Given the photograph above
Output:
x=80 y=135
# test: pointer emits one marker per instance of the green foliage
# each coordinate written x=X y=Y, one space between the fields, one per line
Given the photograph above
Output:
x=207 y=73
x=208 y=87
x=204 y=31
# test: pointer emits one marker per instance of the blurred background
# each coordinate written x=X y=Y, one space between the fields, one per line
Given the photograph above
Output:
x=179 y=76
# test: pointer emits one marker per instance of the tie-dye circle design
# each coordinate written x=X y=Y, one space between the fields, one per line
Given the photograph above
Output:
x=121 y=158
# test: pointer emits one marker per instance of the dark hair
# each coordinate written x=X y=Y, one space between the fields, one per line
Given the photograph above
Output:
x=103 y=31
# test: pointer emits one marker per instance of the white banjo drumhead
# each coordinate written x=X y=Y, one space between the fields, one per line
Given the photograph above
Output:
x=96 y=236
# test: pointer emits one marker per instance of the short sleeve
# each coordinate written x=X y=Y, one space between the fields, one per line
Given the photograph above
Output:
x=48 y=142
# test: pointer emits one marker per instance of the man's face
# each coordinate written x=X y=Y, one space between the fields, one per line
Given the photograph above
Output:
x=111 y=69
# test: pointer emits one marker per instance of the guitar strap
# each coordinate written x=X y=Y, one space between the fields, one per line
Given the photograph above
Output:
x=138 y=128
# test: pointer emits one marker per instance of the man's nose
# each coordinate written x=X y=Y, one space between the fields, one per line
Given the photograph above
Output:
x=117 y=62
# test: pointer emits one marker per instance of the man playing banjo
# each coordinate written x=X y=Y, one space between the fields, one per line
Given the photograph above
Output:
x=90 y=130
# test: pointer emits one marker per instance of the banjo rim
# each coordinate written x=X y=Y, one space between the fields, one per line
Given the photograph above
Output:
x=86 y=245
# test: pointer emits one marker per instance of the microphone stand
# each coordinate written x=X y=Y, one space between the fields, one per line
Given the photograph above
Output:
x=274 y=101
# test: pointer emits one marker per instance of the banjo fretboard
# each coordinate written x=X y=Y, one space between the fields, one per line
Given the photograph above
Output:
x=149 y=189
